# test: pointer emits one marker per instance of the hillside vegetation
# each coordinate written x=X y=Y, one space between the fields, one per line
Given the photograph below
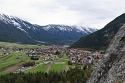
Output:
x=101 y=38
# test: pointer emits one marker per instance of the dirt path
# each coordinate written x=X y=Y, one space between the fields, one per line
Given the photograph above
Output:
x=67 y=67
x=59 y=62
x=4 y=68
x=48 y=68
x=13 y=68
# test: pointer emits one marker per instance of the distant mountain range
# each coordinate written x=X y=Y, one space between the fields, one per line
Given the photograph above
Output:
x=101 y=38
x=14 y=29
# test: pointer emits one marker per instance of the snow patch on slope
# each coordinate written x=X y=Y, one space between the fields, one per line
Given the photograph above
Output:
x=78 y=29
x=18 y=26
x=12 y=20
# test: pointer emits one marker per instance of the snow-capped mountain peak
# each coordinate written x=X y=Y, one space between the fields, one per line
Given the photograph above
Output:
x=19 y=23
x=69 y=28
x=50 y=33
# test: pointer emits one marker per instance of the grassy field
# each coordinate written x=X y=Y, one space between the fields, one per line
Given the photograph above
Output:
x=11 y=59
x=8 y=60
x=6 y=44
x=58 y=67
x=65 y=56
x=14 y=58
x=61 y=60
x=3 y=73
x=41 y=68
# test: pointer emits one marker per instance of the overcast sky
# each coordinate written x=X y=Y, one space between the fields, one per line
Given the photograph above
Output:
x=96 y=13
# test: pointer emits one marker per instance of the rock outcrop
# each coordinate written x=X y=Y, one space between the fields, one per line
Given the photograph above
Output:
x=112 y=66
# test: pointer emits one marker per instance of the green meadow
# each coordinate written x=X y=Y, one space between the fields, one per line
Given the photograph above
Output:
x=58 y=67
x=16 y=58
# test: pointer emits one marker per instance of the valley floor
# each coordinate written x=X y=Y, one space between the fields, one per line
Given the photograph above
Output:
x=29 y=58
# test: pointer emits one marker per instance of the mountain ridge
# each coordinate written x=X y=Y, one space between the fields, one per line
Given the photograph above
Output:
x=53 y=34
x=101 y=38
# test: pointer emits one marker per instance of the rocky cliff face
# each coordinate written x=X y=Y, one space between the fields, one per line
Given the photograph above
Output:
x=112 y=66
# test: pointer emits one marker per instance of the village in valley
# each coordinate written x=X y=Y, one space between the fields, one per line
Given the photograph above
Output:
x=46 y=58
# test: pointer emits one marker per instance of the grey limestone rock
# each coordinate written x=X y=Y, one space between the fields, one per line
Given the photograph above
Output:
x=112 y=66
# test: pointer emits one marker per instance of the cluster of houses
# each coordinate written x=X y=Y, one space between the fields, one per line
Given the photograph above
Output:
x=79 y=56
x=46 y=53
x=5 y=51
x=76 y=56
